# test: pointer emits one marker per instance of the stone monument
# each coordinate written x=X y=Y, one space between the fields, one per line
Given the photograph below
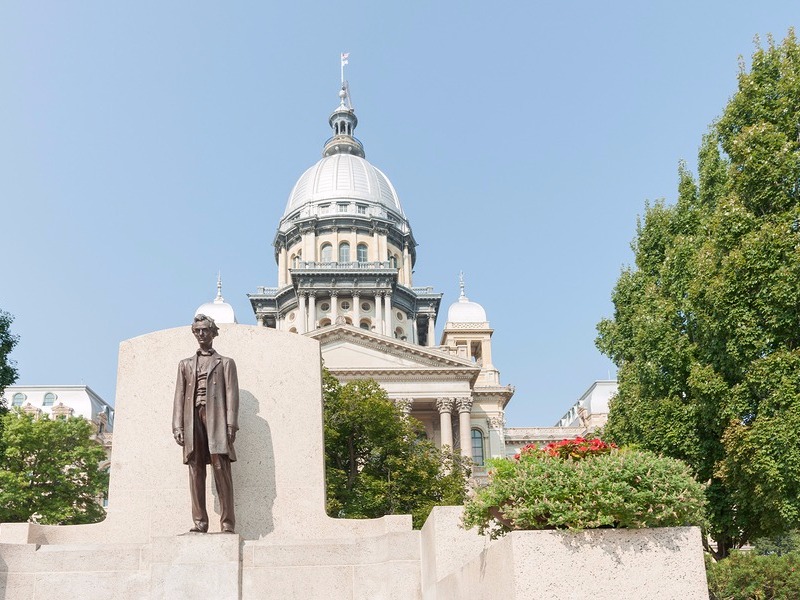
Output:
x=286 y=546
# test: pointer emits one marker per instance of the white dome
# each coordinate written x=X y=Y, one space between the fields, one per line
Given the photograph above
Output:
x=343 y=177
x=217 y=309
x=465 y=311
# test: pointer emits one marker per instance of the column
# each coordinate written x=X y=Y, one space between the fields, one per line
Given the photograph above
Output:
x=497 y=435
x=486 y=351
x=406 y=265
x=312 y=311
x=445 y=408
x=282 y=270
x=356 y=309
x=302 y=325
x=378 y=313
x=387 y=314
x=375 y=250
x=465 y=426
x=334 y=307
x=431 y=330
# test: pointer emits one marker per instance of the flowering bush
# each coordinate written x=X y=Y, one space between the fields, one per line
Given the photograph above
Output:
x=579 y=484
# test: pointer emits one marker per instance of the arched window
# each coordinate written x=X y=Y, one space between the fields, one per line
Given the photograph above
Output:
x=365 y=324
x=392 y=261
x=17 y=399
x=477 y=447
x=296 y=260
x=361 y=253
x=326 y=253
x=344 y=252
x=399 y=333
x=324 y=322
x=49 y=399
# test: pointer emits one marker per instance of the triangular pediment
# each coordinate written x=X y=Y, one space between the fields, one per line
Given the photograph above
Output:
x=345 y=347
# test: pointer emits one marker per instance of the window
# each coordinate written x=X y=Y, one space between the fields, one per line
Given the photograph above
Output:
x=361 y=253
x=324 y=307
x=399 y=333
x=326 y=253
x=324 y=322
x=18 y=399
x=345 y=305
x=392 y=261
x=296 y=260
x=365 y=324
x=366 y=306
x=344 y=252
x=324 y=209
x=343 y=207
x=361 y=209
x=477 y=447
x=49 y=399
x=399 y=316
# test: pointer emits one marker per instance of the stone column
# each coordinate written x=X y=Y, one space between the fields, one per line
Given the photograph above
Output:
x=406 y=265
x=445 y=408
x=312 y=311
x=334 y=307
x=375 y=250
x=356 y=309
x=486 y=351
x=302 y=324
x=283 y=271
x=431 y=330
x=378 y=313
x=387 y=314
x=497 y=435
x=465 y=426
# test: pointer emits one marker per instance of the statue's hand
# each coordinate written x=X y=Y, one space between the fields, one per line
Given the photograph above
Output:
x=231 y=435
x=178 y=433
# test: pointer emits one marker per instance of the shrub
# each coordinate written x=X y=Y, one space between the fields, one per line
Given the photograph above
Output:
x=750 y=576
x=580 y=484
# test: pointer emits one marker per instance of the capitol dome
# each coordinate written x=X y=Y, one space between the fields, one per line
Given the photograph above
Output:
x=343 y=177
x=343 y=182
x=464 y=311
x=217 y=309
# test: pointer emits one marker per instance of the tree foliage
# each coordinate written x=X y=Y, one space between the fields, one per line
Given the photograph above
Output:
x=706 y=327
x=8 y=370
x=50 y=470
x=378 y=461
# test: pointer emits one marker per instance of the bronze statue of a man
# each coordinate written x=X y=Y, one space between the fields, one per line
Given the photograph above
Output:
x=205 y=418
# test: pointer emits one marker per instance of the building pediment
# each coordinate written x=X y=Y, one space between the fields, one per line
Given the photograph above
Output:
x=348 y=348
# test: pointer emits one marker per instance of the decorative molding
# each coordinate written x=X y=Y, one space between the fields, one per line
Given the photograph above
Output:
x=445 y=405
x=464 y=404
x=497 y=422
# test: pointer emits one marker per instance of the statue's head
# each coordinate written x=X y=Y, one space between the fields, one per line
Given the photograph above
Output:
x=204 y=325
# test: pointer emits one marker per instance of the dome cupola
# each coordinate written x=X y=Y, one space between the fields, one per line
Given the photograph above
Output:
x=217 y=309
x=464 y=311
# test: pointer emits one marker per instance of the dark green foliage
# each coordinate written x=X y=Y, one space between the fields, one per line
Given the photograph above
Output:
x=749 y=576
x=50 y=471
x=780 y=544
x=619 y=488
x=706 y=329
x=377 y=462
x=8 y=371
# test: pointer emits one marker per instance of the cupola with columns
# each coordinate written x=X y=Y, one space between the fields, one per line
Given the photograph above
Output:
x=345 y=250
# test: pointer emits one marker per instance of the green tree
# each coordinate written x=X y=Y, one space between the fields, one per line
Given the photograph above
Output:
x=8 y=371
x=706 y=326
x=378 y=462
x=50 y=470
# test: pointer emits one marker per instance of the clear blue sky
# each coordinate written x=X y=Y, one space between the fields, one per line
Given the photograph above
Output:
x=145 y=145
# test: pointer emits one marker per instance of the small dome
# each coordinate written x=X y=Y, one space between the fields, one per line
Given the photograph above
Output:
x=217 y=309
x=464 y=311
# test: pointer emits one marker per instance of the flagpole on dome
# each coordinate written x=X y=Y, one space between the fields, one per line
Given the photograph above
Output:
x=344 y=61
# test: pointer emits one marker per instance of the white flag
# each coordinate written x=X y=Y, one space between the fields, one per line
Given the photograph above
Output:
x=345 y=56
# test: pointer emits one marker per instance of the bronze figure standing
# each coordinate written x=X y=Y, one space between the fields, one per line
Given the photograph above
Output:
x=205 y=417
